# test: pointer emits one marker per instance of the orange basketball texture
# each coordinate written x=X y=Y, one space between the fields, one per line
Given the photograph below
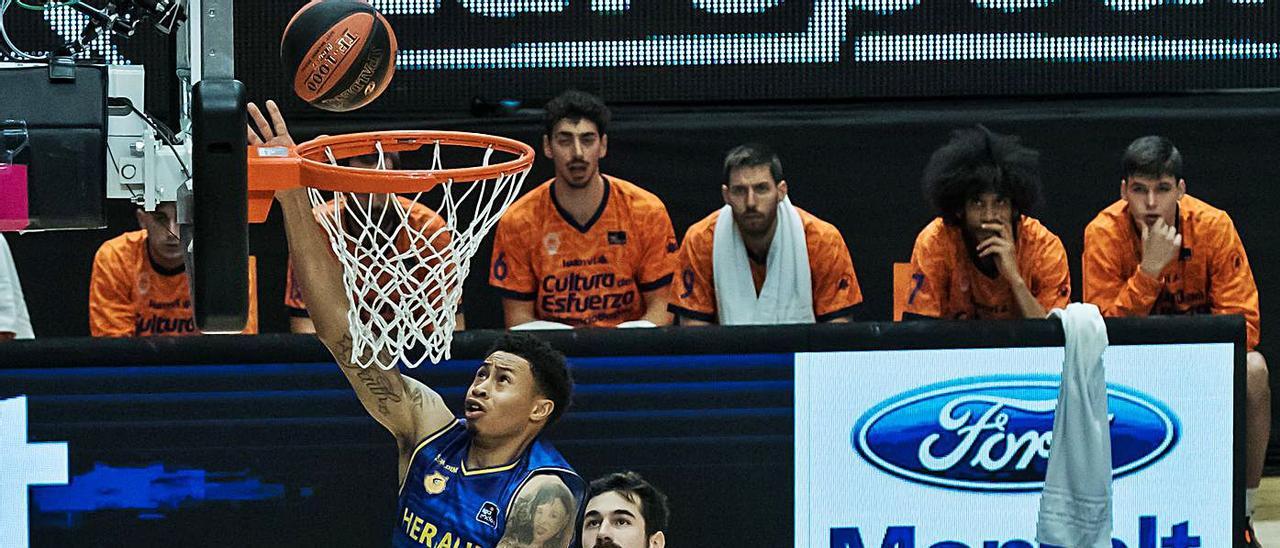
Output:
x=339 y=54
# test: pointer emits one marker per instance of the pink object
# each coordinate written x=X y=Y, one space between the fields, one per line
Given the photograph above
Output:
x=14 y=214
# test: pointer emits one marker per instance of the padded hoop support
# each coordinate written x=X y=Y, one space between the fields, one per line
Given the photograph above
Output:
x=270 y=169
x=306 y=165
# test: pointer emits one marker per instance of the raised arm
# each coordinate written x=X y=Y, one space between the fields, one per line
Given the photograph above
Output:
x=543 y=515
x=404 y=406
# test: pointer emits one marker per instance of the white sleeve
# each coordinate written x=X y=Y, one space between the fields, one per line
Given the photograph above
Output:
x=13 y=308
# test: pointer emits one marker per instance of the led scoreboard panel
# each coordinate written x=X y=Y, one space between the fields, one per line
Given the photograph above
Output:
x=736 y=50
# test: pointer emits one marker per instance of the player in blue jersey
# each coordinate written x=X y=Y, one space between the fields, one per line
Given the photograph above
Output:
x=485 y=481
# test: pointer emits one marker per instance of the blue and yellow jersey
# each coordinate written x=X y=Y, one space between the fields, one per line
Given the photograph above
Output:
x=442 y=503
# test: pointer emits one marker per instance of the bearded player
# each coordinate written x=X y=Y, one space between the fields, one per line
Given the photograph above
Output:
x=484 y=481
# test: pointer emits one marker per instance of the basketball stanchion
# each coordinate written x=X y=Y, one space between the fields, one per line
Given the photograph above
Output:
x=403 y=281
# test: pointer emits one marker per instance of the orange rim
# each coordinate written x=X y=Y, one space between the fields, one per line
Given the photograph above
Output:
x=316 y=171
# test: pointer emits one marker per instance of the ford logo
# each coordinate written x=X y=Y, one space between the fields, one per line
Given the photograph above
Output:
x=993 y=433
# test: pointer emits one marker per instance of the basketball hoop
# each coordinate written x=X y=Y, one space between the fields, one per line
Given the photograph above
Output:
x=403 y=267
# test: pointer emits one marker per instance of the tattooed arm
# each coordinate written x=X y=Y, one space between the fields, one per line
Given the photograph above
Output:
x=543 y=515
x=404 y=406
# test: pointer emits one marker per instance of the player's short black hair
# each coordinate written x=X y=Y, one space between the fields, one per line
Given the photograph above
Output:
x=751 y=155
x=393 y=159
x=1151 y=156
x=550 y=370
x=653 y=504
x=577 y=105
x=978 y=160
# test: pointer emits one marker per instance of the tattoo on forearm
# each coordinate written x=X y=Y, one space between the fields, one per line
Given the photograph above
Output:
x=542 y=517
x=379 y=386
x=374 y=381
x=342 y=351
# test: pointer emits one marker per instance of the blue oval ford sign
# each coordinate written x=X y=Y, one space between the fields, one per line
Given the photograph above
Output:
x=993 y=433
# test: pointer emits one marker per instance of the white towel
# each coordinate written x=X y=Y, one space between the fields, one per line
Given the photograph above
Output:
x=13 y=308
x=1075 y=507
x=787 y=294
x=636 y=324
x=540 y=325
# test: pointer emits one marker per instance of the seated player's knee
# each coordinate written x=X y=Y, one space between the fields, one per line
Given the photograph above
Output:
x=1256 y=372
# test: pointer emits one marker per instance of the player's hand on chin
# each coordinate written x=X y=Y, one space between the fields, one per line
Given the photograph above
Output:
x=1161 y=244
x=1001 y=245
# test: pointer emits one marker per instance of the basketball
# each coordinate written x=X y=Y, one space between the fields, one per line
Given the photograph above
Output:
x=339 y=54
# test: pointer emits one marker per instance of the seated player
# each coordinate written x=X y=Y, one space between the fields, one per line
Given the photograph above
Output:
x=583 y=249
x=458 y=477
x=984 y=257
x=624 y=511
x=421 y=217
x=761 y=260
x=1157 y=250
x=15 y=322
x=139 y=286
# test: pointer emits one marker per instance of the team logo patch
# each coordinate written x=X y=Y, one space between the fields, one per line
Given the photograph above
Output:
x=488 y=514
x=435 y=483
x=144 y=284
x=551 y=242
x=618 y=237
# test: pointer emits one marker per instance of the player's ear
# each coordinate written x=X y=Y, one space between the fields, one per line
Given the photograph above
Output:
x=782 y=189
x=1182 y=187
x=142 y=217
x=1124 y=188
x=546 y=146
x=604 y=145
x=542 y=408
x=724 y=193
x=658 y=540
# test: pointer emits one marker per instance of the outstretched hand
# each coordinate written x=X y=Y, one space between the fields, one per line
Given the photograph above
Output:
x=273 y=133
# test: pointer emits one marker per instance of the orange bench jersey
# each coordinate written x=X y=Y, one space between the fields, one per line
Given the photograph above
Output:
x=592 y=275
x=1211 y=277
x=130 y=297
x=421 y=218
x=835 y=285
x=947 y=284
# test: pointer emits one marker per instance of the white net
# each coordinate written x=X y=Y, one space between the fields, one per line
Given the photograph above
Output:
x=405 y=257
